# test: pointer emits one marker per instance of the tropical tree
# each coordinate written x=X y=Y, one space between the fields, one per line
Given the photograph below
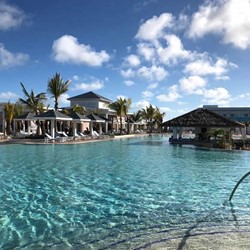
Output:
x=121 y=107
x=152 y=116
x=158 y=117
x=127 y=107
x=149 y=114
x=32 y=101
x=137 y=116
x=57 y=87
x=11 y=110
x=79 y=109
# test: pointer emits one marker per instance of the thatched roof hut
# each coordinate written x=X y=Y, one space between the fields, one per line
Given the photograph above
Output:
x=201 y=117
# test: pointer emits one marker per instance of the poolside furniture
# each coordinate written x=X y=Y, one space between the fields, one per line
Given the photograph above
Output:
x=96 y=135
x=77 y=137
x=83 y=136
x=21 y=134
x=2 y=136
x=49 y=138
x=65 y=136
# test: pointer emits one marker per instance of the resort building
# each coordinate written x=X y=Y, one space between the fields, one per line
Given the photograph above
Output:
x=240 y=114
x=98 y=104
x=103 y=119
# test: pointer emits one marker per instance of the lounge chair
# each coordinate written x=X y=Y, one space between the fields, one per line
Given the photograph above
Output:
x=65 y=136
x=83 y=136
x=49 y=138
x=21 y=134
x=77 y=137
x=95 y=135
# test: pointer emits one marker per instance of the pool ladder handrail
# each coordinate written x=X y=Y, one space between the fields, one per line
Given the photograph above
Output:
x=238 y=183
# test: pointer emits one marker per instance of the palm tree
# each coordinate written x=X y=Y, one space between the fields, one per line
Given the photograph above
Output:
x=57 y=87
x=158 y=117
x=34 y=102
x=121 y=106
x=137 y=116
x=149 y=114
x=9 y=112
x=79 y=109
x=127 y=107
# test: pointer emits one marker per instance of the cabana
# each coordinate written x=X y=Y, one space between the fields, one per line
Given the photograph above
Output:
x=26 y=119
x=53 y=116
x=95 y=120
x=202 y=120
x=78 y=118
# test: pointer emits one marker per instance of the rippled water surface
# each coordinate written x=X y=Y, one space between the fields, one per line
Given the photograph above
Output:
x=120 y=194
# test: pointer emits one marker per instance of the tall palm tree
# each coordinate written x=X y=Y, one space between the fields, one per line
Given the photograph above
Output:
x=121 y=106
x=11 y=110
x=137 y=116
x=127 y=107
x=149 y=114
x=34 y=102
x=57 y=87
x=158 y=117
x=9 y=113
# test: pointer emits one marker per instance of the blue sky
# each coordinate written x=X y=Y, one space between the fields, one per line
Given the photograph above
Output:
x=177 y=55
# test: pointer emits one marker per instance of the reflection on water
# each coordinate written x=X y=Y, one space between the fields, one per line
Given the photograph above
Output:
x=118 y=194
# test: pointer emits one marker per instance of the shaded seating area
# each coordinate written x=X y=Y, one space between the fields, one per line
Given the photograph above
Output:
x=53 y=116
x=24 y=125
x=95 y=121
x=204 y=123
x=49 y=138
x=77 y=120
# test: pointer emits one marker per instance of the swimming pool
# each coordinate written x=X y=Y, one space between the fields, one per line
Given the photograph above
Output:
x=121 y=194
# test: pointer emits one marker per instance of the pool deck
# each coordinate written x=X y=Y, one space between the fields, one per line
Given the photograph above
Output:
x=227 y=241
x=30 y=141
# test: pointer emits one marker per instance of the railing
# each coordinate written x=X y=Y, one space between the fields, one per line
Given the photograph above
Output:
x=238 y=183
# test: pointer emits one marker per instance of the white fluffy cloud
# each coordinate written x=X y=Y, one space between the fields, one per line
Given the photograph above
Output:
x=153 y=85
x=193 y=85
x=5 y=96
x=128 y=73
x=203 y=67
x=140 y=104
x=171 y=96
x=10 y=16
x=229 y=18
x=63 y=99
x=76 y=77
x=218 y=96
x=133 y=60
x=129 y=82
x=147 y=94
x=146 y=50
x=9 y=59
x=153 y=73
x=95 y=85
x=154 y=28
x=174 y=50
x=67 y=49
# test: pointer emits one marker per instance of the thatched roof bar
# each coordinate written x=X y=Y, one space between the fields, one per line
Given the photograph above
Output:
x=201 y=118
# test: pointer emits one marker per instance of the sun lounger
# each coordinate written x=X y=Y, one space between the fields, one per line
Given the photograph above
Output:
x=65 y=136
x=83 y=136
x=49 y=138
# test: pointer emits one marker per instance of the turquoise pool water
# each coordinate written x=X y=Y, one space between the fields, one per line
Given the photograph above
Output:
x=120 y=194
